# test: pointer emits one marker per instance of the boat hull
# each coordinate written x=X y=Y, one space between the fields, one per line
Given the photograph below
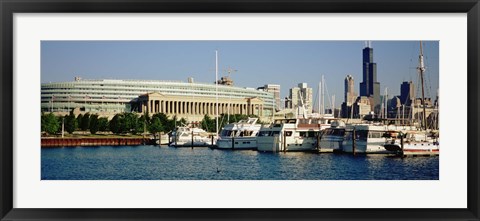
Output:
x=372 y=147
x=238 y=143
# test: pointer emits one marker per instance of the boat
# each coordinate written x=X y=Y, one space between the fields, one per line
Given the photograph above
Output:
x=415 y=142
x=191 y=137
x=285 y=135
x=239 y=136
x=369 y=138
x=331 y=139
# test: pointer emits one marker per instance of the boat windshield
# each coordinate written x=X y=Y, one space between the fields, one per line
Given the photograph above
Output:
x=246 y=133
x=226 y=133
x=268 y=133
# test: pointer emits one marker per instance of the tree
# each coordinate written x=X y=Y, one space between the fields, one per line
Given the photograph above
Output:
x=116 y=124
x=79 y=121
x=155 y=126
x=167 y=124
x=103 y=124
x=50 y=123
x=70 y=123
x=182 y=122
x=85 y=122
x=94 y=124
x=140 y=126
x=60 y=120
x=129 y=122
x=208 y=124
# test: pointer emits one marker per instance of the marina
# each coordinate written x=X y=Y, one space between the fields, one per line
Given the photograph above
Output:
x=188 y=123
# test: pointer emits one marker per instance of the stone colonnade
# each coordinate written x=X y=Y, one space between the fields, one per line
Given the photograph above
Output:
x=158 y=103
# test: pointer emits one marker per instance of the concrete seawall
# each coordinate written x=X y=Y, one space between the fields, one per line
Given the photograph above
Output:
x=71 y=142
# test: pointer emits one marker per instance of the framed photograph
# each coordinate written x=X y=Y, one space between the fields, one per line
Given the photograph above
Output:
x=239 y=110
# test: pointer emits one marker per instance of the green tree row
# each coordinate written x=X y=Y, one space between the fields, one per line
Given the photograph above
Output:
x=127 y=123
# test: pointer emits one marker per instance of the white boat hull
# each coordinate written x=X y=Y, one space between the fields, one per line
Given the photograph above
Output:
x=240 y=143
x=276 y=144
x=372 y=147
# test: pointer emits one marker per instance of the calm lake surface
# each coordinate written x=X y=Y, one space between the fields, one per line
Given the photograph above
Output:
x=169 y=163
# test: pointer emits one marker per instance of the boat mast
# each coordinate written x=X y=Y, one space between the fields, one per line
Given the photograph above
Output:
x=216 y=90
x=319 y=97
x=323 y=95
x=421 y=69
x=385 y=101
x=333 y=105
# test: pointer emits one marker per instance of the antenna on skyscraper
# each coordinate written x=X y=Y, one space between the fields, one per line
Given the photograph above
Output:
x=368 y=44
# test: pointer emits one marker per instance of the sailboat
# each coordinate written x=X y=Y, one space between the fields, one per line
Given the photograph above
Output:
x=419 y=142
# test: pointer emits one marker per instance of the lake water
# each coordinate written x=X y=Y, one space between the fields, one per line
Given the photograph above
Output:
x=168 y=163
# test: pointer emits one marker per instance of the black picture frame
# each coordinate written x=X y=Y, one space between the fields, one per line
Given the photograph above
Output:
x=9 y=7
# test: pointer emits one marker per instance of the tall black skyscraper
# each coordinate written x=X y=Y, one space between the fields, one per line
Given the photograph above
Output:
x=370 y=87
x=407 y=93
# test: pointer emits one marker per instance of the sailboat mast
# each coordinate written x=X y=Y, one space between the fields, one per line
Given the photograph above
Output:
x=323 y=96
x=421 y=69
x=216 y=90
x=385 y=115
x=333 y=105
x=319 y=97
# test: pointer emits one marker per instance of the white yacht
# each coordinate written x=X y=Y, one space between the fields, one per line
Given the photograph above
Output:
x=239 y=136
x=191 y=136
x=369 y=138
x=300 y=134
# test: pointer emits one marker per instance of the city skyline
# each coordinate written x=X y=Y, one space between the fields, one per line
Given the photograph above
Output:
x=286 y=63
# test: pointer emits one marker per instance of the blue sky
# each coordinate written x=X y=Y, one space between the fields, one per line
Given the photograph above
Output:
x=257 y=62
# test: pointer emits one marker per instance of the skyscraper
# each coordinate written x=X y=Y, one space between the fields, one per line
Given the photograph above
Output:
x=407 y=93
x=370 y=87
x=350 y=96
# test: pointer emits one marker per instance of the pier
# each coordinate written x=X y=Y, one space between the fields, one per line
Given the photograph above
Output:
x=115 y=141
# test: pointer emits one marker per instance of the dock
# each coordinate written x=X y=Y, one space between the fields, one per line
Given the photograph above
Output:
x=418 y=153
x=73 y=142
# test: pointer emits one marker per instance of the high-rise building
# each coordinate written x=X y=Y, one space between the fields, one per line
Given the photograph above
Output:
x=350 y=97
x=370 y=87
x=275 y=89
x=407 y=93
x=350 y=94
x=301 y=95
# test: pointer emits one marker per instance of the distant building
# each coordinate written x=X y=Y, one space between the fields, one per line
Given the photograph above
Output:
x=301 y=95
x=190 y=100
x=362 y=107
x=349 y=95
x=275 y=89
x=407 y=93
x=370 y=87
